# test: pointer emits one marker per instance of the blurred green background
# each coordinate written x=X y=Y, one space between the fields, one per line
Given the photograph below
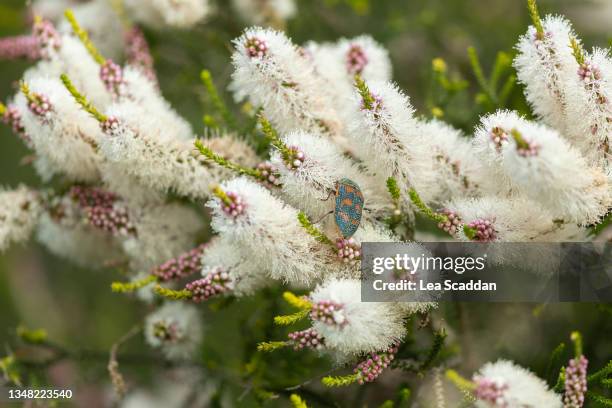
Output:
x=77 y=307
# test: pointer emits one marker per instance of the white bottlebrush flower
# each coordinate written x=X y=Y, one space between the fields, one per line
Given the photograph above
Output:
x=60 y=130
x=162 y=231
x=85 y=75
x=544 y=64
x=19 y=215
x=245 y=277
x=339 y=62
x=458 y=170
x=504 y=384
x=537 y=161
x=351 y=326
x=176 y=329
x=102 y=23
x=140 y=146
x=312 y=174
x=260 y=12
x=142 y=91
x=274 y=74
x=589 y=107
x=69 y=238
x=386 y=137
x=269 y=233
x=161 y=14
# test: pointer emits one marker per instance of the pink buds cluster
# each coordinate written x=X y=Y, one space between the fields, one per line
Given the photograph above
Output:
x=22 y=46
x=575 y=382
x=47 y=38
x=184 y=265
x=40 y=105
x=375 y=103
x=370 y=369
x=110 y=126
x=589 y=73
x=256 y=47
x=529 y=150
x=491 y=391
x=483 y=230
x=295 y=158
x=102 y=210
x=328 y=312
x=235 y=205
x=215 y=283
x=348 y=249
x=499 y=137
x=269 y=174
x=166 y=332
x=307 y=338
x=452 y=223
x=12 y=117
x=138 y=53
x=356 y=59
x=112 y=77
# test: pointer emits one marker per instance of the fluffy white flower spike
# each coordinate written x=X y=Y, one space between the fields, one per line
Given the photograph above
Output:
x=504 y=384
x=168 y=13
x=309 y=176
x=270 y=234
x=175 y=328
x=136 y=142
x=267 y=11
x=351 y=326
x=274 y=74
x=589 y=105
x=60 y=131
x=535 y=160
x=386 y=137
x=19 y=215
x=544 y=64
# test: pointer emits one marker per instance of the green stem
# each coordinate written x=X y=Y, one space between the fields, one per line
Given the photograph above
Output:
x=216 y=100
x=221 y=161
x=221 y=195
x=427 y=211
x=364 y=92
x=314 y=231
x=84 y=37
x=173 y=294
x=479 y=74
x=577 y=51
x=342 y=381
x=82 y=100
x=535 y=18
x=521 y=143
x=127 y=287
x=576 y=337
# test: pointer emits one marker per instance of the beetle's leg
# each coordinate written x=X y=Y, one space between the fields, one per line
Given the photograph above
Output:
x=329 y=195
x=325 y=215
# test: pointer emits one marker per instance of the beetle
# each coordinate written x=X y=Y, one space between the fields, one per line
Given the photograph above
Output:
x=349 y=206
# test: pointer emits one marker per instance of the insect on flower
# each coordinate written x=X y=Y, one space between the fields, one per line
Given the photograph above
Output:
x=349 y=205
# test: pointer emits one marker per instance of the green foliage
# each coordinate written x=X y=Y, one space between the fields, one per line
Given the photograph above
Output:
x=84 y=37
x=32 y=336
x=287 y=320
x=82 y=100
x=297 y=402
x=216 y=100
x=128 y=287
x=341 y=381
x=314 y=231
x=492 y=96
x=171 y=294
x=424 y=209
x=222 y=161
x=268 y=346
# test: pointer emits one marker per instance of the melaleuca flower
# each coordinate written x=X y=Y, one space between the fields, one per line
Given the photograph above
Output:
x=19 y=213
x=225 y=255
x=339 y=62
x=538 y=162
x=502 y=219
x=176 y=329
x=103 y=210
x=310 y=175
x=372 y=367
x=142 y=91
x=504 y=384
x=138 y=54
x=386 y=137
x=589 y=106
x=112 y=76
x=458 y=170
x=168 y=13
x=272 y=12
x=47 y=38
x=21 y=46
x=575 y=382
x=308 y=338
x=544 y=64
x=268 y=232
x=60 y=131
x=272 y=73
x=84 y=75
x=163 y=231
x=141 y=147
x=352 y=326
x=184 y=265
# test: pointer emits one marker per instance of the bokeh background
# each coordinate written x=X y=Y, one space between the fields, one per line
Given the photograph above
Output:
x=77 y=308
